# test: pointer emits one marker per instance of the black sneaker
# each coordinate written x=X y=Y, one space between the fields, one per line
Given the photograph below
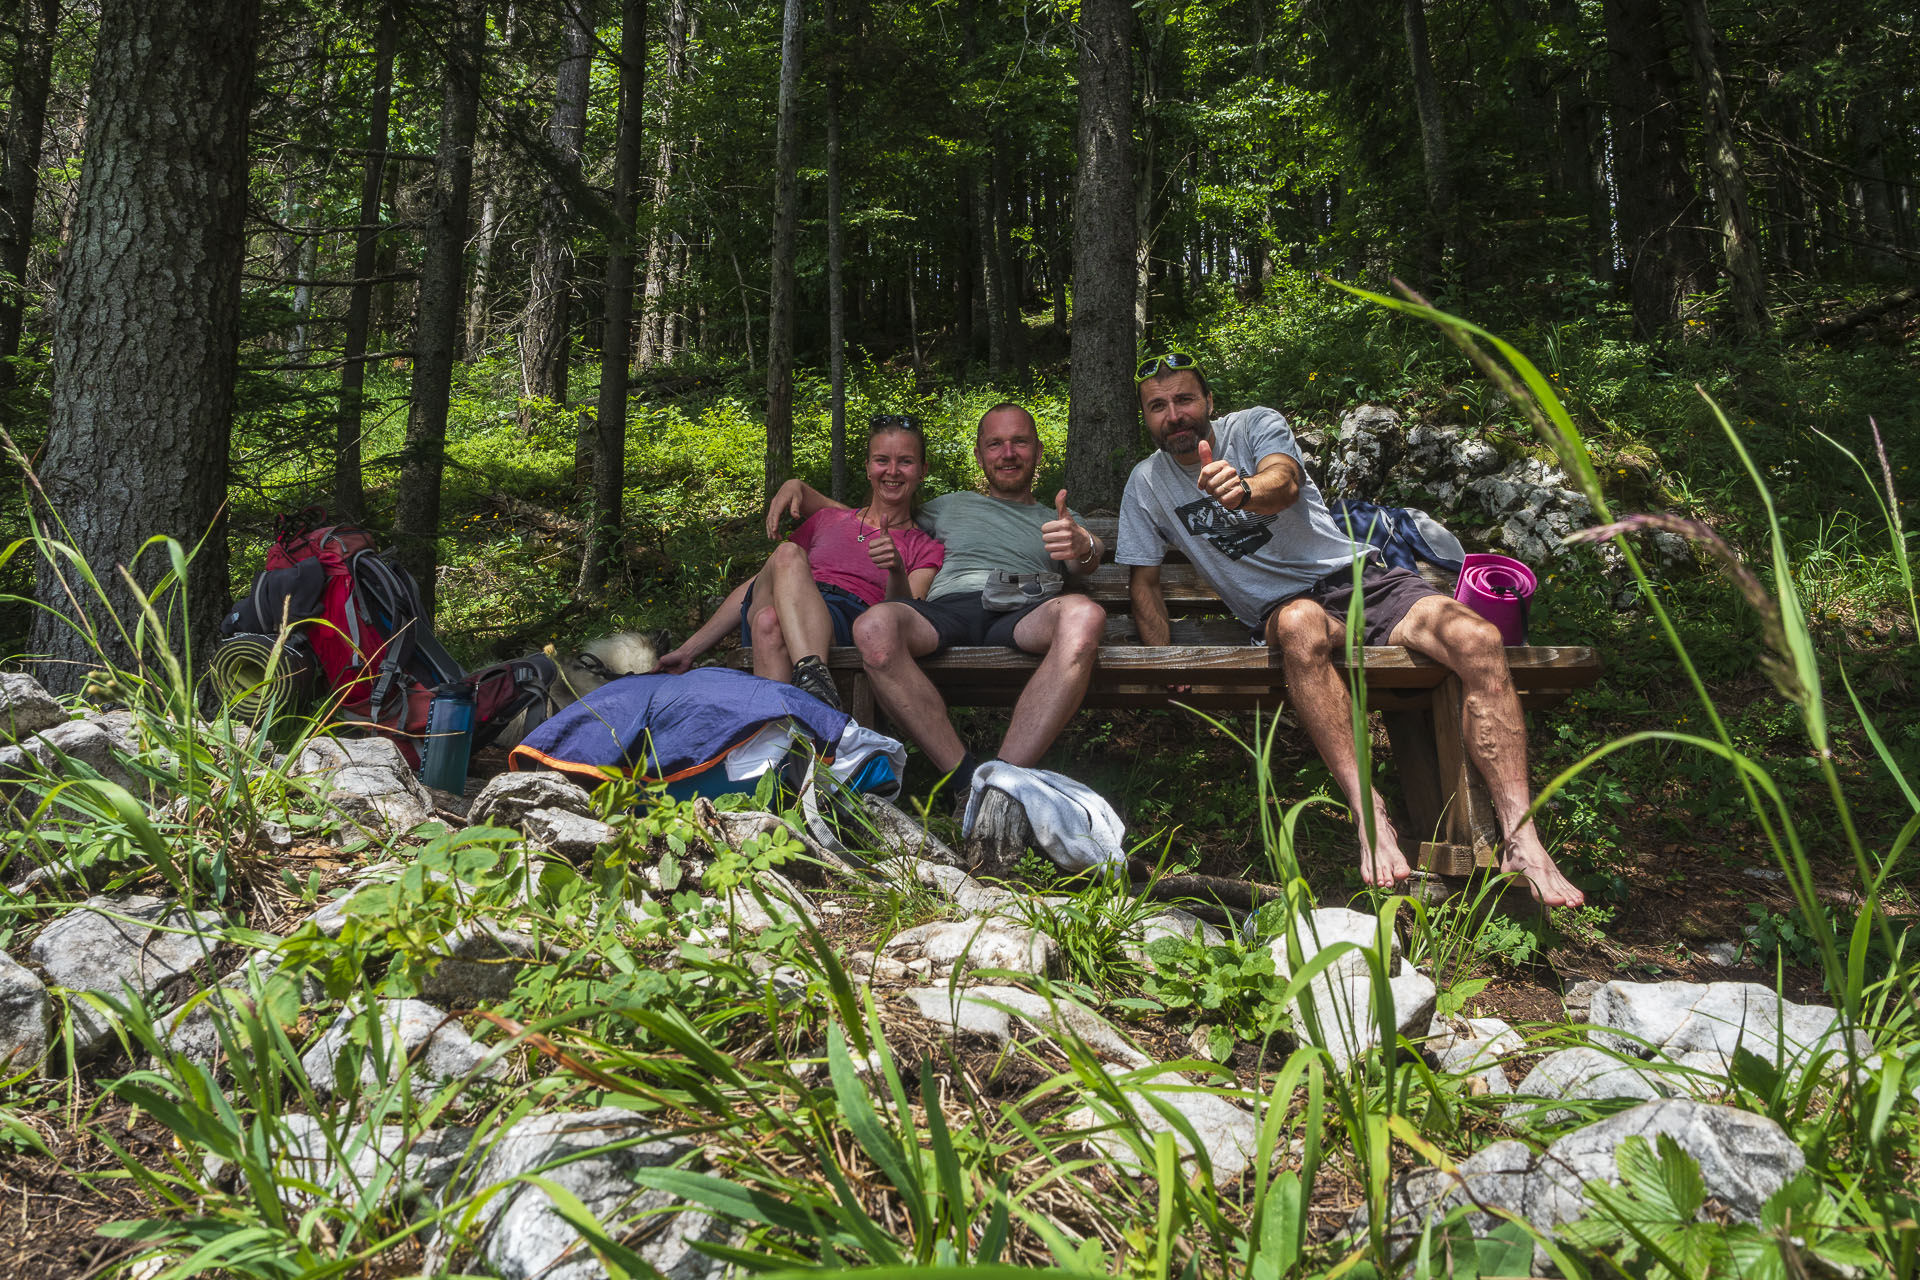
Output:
x=810 y=675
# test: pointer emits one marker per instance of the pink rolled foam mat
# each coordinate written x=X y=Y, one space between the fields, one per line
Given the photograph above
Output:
x=1498 y=588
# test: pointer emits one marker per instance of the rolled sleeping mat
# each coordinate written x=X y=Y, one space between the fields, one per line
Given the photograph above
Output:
x=242 y=678
x=1499 y=589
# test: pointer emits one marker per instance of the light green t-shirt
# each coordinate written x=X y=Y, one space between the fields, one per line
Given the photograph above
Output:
x=983 y=534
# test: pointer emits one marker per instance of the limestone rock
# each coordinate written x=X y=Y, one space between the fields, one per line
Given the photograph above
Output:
x=26 y=708
x=368 y=782
x=25 y=1012
x=509 y=797
x=1229 y=1134
x=191 y=1029
x=1584 y=1073
x=999 y=1013
x=522 y=1236
x=977 y=944
x=1343 y=1008
x=958 y=887
x=355 y=1160
x=1175 y=923
x=1673 y=1018
x=778 y=901
x=482 y=963
x=571 y=835
x=1474 y=1048
x=1743 y=1159
x=897 y=835
x=1323 y=928
x=405 y=1026
x=110 y=944
x=45 y=753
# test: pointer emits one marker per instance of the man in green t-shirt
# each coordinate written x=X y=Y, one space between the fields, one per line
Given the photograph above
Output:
x=1006 y=528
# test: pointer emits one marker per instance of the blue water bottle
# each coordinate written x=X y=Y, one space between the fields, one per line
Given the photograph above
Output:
x=449 y=737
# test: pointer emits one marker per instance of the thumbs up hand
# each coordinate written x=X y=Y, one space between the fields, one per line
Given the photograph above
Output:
x=1221 y=480
x=1064 y=537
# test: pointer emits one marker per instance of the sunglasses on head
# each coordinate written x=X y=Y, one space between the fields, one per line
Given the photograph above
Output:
x=894 y=422
x=1171 y=361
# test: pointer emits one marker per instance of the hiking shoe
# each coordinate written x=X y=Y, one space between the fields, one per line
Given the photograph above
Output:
x=810 y=675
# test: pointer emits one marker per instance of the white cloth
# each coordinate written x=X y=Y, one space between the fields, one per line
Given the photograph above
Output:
x=858 y=744
x=1071 y=822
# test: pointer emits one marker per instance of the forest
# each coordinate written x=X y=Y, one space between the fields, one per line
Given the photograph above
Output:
x=554 y=296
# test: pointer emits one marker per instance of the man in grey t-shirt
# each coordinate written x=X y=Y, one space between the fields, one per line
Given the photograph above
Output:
x=1234 y=497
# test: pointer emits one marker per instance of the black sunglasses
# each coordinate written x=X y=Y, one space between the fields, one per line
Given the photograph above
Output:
x=894 y=422
x=1172 y=362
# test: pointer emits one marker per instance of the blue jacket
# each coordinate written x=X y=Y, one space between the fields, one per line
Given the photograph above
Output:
x=661 y=728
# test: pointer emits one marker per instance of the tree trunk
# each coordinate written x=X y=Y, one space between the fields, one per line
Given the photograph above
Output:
x=348 y=502
x=963 y=279
x=1744 y=272
x=1666 y=259
x=610 y=428
x=1012 y=347
x=1580 y=169
x=147 y=327
x=416 y=524
x=989 y=269
x=836 y=259
x=26 y=122
x=1100 y=426
x=1438 y=234
x=476 y=344
x=545 y=349
x=656 y=344
x=786 y=216
x=1876 y=209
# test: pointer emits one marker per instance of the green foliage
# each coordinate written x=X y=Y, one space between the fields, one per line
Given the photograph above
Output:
x=1232 y=989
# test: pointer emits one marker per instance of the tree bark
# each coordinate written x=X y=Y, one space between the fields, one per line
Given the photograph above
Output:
x=1101 y=421
x=610 y=425
x=1666 y=258
x=147 y=326
x=1012 y=339
x=1744 y=273
x=1438 y=235
x=994 y=300
x=416 y=524
x=786 y=216
x=656 y=340
x=476 y=343
x=26 y=123
x=545 y=348
x=836 y=260
x=348 y=501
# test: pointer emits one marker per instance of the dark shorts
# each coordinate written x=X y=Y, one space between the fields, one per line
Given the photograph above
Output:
x=842 y=606
x=963 y=620
x=1386 y=596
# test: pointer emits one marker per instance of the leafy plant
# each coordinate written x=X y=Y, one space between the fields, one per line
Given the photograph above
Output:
x=1231 y=988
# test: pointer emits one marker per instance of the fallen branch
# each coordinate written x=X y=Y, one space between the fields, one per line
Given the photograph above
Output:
x=1872 y=311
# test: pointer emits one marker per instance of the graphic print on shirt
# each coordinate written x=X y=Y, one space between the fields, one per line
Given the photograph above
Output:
x=1233 y=533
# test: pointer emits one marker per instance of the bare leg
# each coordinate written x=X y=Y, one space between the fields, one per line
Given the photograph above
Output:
x=804 y=619
x=770 y=657
x=1307 y=637
x=891 y=638
x=1493 y=729
x=1068 y=630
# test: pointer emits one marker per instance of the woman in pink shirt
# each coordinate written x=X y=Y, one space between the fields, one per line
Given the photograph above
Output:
x=836 y=565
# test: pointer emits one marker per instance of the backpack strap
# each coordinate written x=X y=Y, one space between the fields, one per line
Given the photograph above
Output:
x=390 y=592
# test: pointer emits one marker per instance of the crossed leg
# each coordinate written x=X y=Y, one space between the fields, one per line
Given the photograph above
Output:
x=788 y=618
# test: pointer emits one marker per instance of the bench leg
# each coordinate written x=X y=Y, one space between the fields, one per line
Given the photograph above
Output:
x=1469 y=832
x=1417 y=765
x=856 y=695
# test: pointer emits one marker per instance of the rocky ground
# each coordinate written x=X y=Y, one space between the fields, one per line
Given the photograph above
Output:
x=986 y=984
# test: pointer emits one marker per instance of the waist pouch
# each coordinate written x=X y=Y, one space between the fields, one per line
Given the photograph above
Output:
x=1006 y=592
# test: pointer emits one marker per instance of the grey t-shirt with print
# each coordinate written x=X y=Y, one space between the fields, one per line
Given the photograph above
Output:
x=1253 y=561
x=983 y=534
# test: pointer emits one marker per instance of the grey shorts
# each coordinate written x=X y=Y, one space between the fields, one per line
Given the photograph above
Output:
x=1386 y=597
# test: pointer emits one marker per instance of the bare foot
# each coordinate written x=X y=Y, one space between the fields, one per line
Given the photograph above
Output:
x=1383 y=866
x=1550 y=888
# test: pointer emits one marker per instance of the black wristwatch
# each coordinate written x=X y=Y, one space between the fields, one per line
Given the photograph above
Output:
x=1246 y=493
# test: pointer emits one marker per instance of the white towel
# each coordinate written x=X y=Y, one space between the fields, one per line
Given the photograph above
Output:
x=1076 y=827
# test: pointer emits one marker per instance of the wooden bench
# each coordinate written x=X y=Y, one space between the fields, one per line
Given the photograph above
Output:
x=1418 y=699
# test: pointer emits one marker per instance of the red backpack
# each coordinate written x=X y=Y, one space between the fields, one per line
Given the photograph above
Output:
x=359 y=614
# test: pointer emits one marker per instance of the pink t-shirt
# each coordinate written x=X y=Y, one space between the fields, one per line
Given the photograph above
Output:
x=831 y=540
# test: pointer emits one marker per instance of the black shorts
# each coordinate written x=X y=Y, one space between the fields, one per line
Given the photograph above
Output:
x=842 y=606
x=1386 y=597
x=962 y=619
